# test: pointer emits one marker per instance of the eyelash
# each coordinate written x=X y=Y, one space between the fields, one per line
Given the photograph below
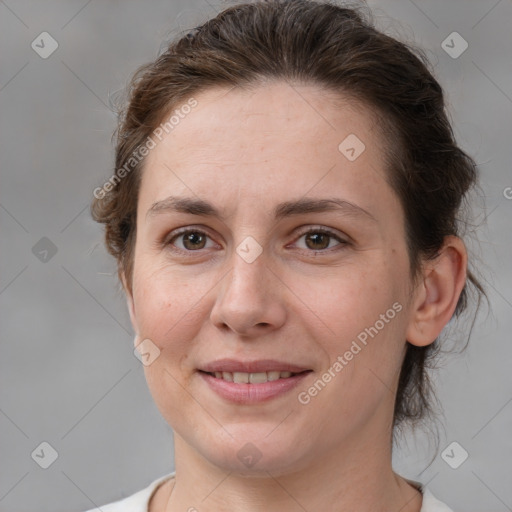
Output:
x=322 y=231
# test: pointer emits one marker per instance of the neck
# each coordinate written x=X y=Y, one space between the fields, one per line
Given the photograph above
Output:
x=335 y=481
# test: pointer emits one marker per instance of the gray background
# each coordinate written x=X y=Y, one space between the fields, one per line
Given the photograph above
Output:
x=68 y=375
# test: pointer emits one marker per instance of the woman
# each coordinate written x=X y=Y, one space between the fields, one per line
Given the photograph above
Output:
x=285 y=217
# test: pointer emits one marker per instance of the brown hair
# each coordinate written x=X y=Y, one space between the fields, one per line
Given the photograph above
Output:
x=338 y=49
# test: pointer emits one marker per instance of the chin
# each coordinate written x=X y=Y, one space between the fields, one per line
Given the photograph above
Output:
x=258 y=458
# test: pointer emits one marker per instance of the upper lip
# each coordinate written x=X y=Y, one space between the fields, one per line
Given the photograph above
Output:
x=259 y=366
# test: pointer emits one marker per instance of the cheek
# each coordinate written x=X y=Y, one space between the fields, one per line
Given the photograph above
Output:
x=359 y=319
x=346 y=300
x=168 y=306
x=168 y=302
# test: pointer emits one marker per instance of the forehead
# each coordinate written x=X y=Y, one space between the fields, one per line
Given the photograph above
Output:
x=272 y=140
x=277 y=113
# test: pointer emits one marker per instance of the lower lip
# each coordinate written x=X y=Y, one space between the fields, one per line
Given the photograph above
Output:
x=252 y=393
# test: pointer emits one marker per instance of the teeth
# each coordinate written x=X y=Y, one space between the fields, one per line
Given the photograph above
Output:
x=240 y=378
x=257 y=378
x=253 y=378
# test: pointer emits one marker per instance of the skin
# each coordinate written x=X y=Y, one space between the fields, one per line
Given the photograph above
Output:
x=303 y=300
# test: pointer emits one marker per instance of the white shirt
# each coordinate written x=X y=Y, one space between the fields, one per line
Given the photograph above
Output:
x=139 y=501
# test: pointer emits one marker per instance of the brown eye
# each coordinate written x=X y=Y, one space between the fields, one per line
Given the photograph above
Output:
x=194 y=240
x=191 y=240
x=317 y=241
x=321 y=240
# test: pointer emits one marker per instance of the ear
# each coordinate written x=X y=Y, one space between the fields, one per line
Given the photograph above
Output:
x=130 y=303
x=438 y=292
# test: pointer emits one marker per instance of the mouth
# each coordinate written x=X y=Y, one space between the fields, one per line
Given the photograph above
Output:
x=253 y=377
x=250 y=388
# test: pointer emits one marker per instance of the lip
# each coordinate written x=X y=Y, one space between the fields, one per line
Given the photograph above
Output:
x=252 y=393
x=262 y=365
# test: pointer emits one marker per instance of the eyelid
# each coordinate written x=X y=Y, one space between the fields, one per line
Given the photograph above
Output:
x=318 y=227
x=176 y=233
x=342 y=239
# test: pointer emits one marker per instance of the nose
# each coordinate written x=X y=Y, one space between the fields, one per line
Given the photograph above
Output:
x=250 y=299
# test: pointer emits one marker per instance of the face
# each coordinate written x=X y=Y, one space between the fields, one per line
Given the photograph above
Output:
x=297 y=255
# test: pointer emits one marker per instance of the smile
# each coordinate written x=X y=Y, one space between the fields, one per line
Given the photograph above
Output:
x=251 y=388
x=251 y=378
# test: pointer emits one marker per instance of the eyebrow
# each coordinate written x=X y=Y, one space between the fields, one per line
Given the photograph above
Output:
x=301 y=206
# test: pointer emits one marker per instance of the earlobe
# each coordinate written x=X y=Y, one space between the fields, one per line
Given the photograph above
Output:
x=438 y=292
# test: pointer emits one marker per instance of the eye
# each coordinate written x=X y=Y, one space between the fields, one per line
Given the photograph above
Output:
x=319 y=239
x=315 y=239
x=192 y=240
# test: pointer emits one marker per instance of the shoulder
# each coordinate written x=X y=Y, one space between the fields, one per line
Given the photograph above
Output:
x=432 y=504
x=137 y=502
